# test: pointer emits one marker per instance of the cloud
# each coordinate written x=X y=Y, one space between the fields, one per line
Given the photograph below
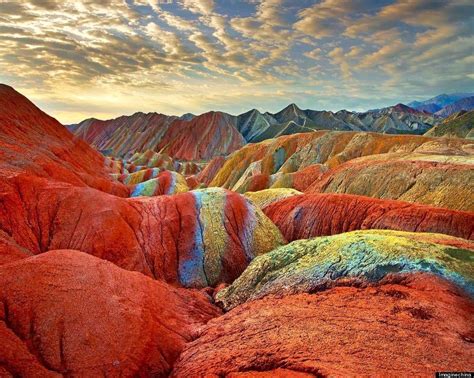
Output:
x=199 y=6
x=338 y=56
x=313 y=54
x=427 y=13
x=328 y=16
x=197 y=55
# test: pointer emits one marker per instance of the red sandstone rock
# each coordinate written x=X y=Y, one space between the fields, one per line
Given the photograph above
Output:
x=210 y=170
x=10 y=251
x=303 y=178
x=33 y=143
x=311 y=215
x=208 y=135
x=165 y=237
x=50 y=201
x=192 y=182
x=202 y=137
x=70 y=313
x=412 y=326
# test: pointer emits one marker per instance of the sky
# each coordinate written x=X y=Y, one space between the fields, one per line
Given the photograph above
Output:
x=104 y=58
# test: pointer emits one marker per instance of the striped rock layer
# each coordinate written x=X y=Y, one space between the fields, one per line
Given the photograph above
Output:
x=299 y=180
x=35 y=144
x=444 y=182
x=196 y=239
x=266 y=197
x=56 y=195
x=315 y=264
x=153 y=182
x=151 y=159
x=165 y=183
x=215 y=133
x=405 y=167
x=310 y=215
x=202 y=137
x=458 y=125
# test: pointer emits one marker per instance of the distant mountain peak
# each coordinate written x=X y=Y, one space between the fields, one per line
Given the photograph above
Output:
x=402 y=108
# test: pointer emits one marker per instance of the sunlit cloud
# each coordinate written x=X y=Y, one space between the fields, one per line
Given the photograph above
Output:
x=104 y=58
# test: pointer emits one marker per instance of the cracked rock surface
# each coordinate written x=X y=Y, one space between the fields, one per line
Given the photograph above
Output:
x=414 y=325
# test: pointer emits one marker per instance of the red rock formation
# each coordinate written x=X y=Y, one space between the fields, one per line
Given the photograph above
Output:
x=202 y=137
x=124 y=135
x=33 y=143
x=311 y=215
x=166 y=237
x=196 y=239
x=303 y=178
x=10 y=251
x=299 y=180
x=65 y=312
x=192 y=182
x=413 y=326
x=208 y=135
x=210 y=170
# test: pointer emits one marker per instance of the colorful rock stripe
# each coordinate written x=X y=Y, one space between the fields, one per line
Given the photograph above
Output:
x=228 y=232
x=314 y=264
x=310 y=215
x=165 y=183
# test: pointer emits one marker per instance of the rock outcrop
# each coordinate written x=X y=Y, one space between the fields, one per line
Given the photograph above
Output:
x=365 y=256
x=35 y=144
x=458 y=125
x=65 y=313
x=204 y=137
x=295 y=153
x=310 y=215
x=56 y=194
x=264 y=198
x=166 y=182
x=441 y=181
x=195 y=239
x=100 y=258
x=210 y=170
x=216 y=133
x=413 y=325
x=201 y=137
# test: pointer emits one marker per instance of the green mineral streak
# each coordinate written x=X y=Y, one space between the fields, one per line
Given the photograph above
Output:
x=304 y=264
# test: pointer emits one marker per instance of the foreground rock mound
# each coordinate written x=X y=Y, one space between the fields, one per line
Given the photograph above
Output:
x=310 y=215
x=69 y=313
x=414 y=326
x=310 y=265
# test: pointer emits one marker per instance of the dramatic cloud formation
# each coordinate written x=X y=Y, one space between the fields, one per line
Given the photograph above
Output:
x=110 y=57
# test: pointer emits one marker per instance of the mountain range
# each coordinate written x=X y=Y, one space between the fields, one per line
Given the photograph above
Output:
x=445 y=104
x=349 y=247
x=457 y=125
x=213 y=134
